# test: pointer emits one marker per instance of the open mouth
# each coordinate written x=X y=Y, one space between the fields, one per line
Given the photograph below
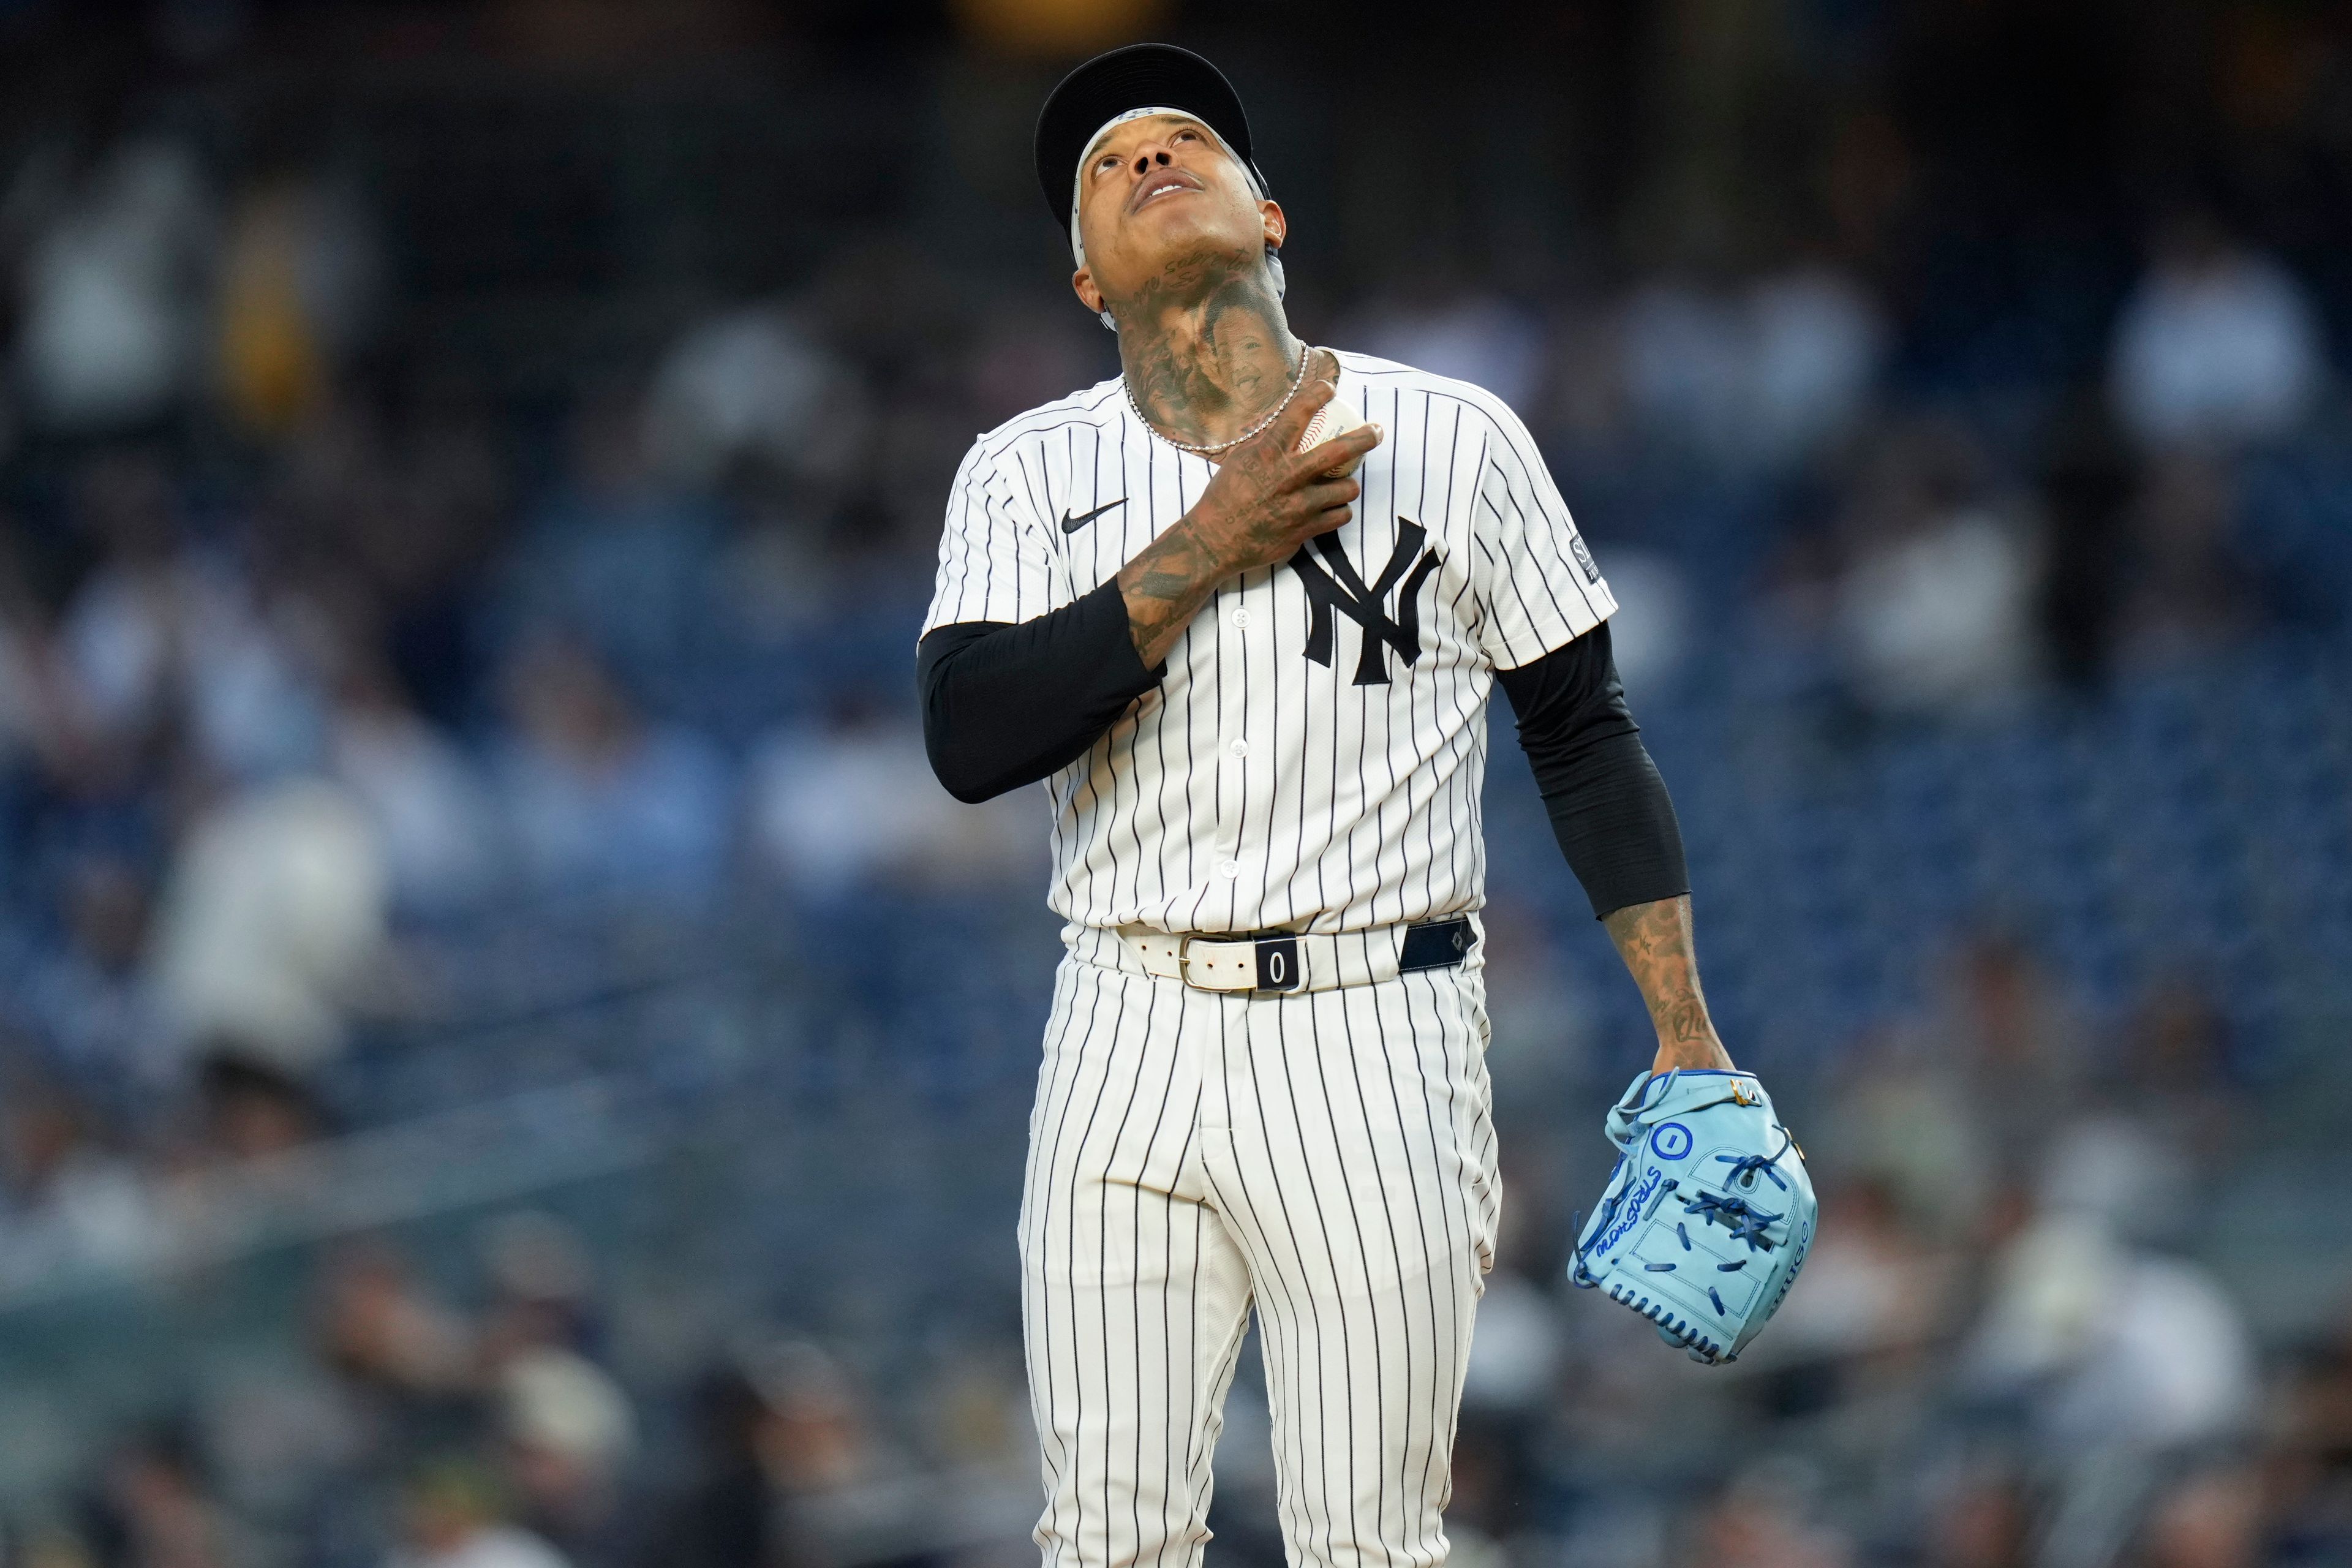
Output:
x=1161 y=184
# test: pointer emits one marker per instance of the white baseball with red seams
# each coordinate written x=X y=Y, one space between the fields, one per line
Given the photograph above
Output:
x=1334 y=419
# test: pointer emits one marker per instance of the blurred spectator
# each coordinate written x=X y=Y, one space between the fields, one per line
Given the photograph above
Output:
x=378 y=1326
x=298 y=278
x=252 y=1109
x=2218 y=344
x=2107 y=1350
x=820 y=1440
x=449 y=1521
x=599 y=799
x=619 y=555
x=1763 y=376
x=1585 y=409
x=2184 y=590
x=1517 y=1357
x=1981 y=1517
x=1935 y=607
x=751 y=388
x=1508 y=1388
x=162 y=634
x=2122 y=1175
x=1687 y=366
x=396 y=529
x=113 y=290
x=568 y=1429
x=44 y=726
x=47 y=1544
x=286 y=1443
x=778 y=576
x=1761 y=1522
x=852 y=801
x=273 y=921
x=729 y=1515
x=1871 y=1288
x=976 y=1415
x=1651 y=633
x=153 y=1511
x=542 y=1292
x=1026 y=357
x=68 y=1203
x=91 y=994
x=2211 y=1520
x=1819 y=343
x=1469 y=335
x=2308 y=1467
x=1544 y=1037
x=851 y=1494
x=2178 y=1080
x=1961 y=1098
x=432 y=809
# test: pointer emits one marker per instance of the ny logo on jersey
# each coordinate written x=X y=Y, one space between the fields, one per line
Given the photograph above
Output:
x=1343 y=589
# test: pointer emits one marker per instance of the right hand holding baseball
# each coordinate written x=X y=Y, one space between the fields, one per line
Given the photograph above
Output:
x=1268 y=498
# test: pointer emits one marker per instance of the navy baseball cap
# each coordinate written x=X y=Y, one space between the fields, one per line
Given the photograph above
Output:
x=1140 y=76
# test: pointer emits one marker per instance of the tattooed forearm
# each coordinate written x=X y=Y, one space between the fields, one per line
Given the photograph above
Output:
x=1655 y=940
x=1165 y=587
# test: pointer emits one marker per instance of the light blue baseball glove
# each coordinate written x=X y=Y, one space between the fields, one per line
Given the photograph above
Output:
x=1706 y=1217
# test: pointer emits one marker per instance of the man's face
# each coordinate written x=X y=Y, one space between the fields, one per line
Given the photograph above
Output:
x=1161 y=197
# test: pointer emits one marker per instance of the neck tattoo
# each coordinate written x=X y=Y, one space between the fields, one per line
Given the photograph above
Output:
x=1297 y=379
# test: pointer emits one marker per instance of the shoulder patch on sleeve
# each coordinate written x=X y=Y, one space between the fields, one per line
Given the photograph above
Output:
x=1583 y=557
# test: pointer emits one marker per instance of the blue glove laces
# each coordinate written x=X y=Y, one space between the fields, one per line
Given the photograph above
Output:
x=1745 y=1221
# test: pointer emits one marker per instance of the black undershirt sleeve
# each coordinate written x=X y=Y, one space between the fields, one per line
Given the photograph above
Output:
x=1609 y=807
x=1006 y=704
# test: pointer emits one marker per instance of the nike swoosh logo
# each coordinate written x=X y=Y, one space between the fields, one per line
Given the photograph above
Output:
x=1072 y=524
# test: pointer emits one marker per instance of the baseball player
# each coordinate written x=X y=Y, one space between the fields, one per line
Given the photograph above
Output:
x=1253 y=681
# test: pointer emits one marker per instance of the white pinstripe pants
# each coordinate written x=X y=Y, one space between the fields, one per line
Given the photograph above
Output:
x=1326 y=1157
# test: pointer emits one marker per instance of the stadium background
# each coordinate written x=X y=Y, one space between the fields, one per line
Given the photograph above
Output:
x=504 y=1050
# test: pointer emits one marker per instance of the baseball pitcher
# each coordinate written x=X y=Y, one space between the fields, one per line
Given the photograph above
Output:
x=1252 y=678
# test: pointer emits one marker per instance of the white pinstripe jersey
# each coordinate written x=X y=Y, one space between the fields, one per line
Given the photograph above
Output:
x=1314 y=757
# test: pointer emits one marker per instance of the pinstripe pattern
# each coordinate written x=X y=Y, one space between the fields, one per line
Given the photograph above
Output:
x=1325 y=1159
x=1255 y=789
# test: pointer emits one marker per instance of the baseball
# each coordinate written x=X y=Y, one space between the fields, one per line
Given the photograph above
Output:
x=1332 y=419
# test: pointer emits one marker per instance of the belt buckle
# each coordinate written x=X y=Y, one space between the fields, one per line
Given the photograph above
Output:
x=1184 y=959
x=1275 y=958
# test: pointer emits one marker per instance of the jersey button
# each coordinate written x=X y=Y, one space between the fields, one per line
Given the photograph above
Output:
x=1241 y=618
x=1241 y=748
x=1229 y=869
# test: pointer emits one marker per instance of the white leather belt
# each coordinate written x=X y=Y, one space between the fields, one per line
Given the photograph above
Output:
x=1284 y=963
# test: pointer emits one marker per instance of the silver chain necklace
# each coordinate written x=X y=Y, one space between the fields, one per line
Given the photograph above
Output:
x=1297 y=381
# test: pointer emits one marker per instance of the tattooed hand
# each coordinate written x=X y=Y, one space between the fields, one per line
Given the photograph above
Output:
x=1267 y=498
x=1654 y=940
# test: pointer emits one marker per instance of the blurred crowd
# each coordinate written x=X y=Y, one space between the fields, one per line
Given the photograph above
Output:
x=1999 y=1352
x=325 y=663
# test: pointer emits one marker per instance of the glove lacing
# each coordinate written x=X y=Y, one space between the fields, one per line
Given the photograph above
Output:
x=1745 y=1221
